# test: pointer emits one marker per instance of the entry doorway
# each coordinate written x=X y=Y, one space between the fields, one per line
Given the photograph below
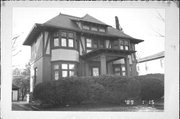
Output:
x=95 y=71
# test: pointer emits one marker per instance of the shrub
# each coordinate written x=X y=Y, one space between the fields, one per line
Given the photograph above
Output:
x=62 y=92
x=152 y=86
x=102 y=89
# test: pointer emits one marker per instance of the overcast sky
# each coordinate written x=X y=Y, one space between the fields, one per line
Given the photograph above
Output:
x=138 y=23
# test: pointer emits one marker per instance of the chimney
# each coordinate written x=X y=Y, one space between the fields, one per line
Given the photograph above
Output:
x=118 y=27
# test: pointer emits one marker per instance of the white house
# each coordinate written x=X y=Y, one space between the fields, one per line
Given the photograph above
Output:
x=151 y=64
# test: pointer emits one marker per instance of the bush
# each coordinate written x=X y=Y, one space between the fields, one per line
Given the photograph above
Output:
x=61 y=92
x=152 y=86
x=102 y=89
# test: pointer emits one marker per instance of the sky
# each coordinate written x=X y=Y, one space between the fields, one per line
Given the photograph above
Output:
x=139 y=23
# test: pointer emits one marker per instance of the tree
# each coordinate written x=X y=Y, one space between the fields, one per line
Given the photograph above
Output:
x=22 y=80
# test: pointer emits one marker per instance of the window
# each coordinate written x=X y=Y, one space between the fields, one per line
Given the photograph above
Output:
x=64 y=74
x=70 y=35
x=56 y=75
x=102 y=30
x=66 y=39
x=63 y=70
x=121 y=44
x=101 y=44
x=115 y=44
x=63 y=42
x=108 y=44
x=94 y=29
x=95 y=43
x=56 y=42
x=95 y=71
x=126 y=45
x=56 y=66
x=123 y=68
x=117 y=70
x=70 y=43
x=133 y=47
x=85 y=27
x=89 y=43
x=63 y=34
x=64 y=66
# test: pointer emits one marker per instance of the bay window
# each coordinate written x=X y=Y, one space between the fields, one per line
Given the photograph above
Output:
x=56 y=42
x=63 y=69
x=63 y=42
x=65 y=39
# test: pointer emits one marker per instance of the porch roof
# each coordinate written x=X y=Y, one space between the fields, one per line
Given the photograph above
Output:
x=107 y=52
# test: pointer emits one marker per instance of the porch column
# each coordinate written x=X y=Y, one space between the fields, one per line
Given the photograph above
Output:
x=103 y=64
x=127 y=66
x=86 y=69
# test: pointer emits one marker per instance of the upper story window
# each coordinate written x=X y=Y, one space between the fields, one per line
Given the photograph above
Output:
x=102 y=30
x=133 y=47
x=115 y=44
x=126 y=45
x=63 y=42
x=89 y=43
x=121 y=43
x=85 y=27
x=56 y=42
x=95 y=43
x=66 y=39
x=101 y=44
x=93 y=28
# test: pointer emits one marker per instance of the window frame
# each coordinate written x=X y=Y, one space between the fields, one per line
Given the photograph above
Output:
x=67 y=37
x=60 y=70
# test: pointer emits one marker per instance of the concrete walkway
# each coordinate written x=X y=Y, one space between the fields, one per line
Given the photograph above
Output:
x=20 y=106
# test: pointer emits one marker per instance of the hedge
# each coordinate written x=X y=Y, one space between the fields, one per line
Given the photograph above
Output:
x=101 y=89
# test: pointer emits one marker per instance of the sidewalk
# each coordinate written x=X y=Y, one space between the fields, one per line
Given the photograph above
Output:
x=20 y=106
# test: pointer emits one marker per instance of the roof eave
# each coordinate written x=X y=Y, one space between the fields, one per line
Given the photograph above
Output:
x=36 y=28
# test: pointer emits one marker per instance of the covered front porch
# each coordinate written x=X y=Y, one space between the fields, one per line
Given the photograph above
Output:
x=105 y=61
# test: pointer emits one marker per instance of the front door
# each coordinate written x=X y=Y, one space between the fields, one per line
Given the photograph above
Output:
x=95 y=71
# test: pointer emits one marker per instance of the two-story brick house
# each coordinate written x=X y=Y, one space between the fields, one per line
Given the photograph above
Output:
x=71 y=46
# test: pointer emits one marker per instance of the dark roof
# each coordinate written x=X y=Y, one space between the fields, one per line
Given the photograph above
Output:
x=14 y=87
x=95 y=52
x=152 y=57
x=91 y=19
x=67 y=22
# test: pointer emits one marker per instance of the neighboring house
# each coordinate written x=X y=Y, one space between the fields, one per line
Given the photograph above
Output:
x=71 y=46
x=151 y=64
x=15 y=93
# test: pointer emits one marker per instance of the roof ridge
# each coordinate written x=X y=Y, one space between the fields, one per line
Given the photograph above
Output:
x=68 y=15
